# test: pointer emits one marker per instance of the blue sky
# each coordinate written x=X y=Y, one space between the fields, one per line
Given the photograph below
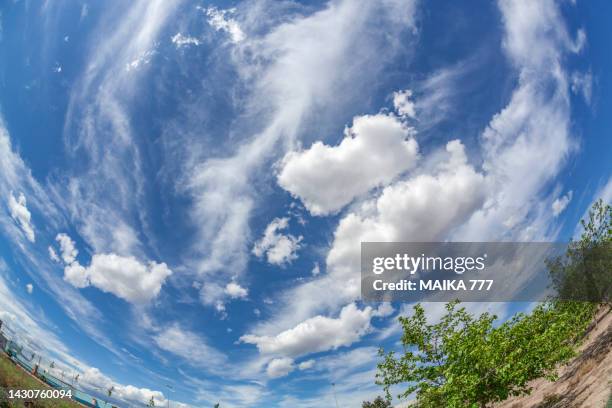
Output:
x=184 y=185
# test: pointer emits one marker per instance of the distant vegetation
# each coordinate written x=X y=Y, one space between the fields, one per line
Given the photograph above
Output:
x=379 y=402
x=467 y=361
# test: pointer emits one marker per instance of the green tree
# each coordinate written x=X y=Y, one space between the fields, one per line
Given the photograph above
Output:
x=379 y=402
x=584 y=272
x=467 y=361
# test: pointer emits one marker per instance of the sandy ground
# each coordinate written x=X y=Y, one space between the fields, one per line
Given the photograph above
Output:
x=586 y=382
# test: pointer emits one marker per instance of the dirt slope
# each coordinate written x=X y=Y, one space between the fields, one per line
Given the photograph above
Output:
x=586 y=382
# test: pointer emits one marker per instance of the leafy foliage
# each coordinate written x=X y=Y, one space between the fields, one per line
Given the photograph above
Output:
x=584 y=272
x=379 y=402
x=465 y=361
x=468 y=361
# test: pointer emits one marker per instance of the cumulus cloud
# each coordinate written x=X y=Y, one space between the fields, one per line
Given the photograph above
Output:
x=403 y=103
x=21 y=215
x=279 y=249
x=428 y=205
x=375 y=150
x=235 y=291
x=425 y=207
x=318 y=333
x=279 y=367
x=93 y=379
x=76 y=275
x=221 y=20
x=67 y=248
x=123 y=276
x=559 y=205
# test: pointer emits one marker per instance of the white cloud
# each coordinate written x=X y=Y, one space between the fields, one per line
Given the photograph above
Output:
x=316 y=269
x=67 y=248
x=559 y=205
x=180 y=40
x=425 y=207
x=91 y=378
x=76 y=275
x=306 y=365
x=21 y=215
x=143 y=59
x=235 y=291
x=375 y=150
x=583 y=83
x=220 y=20
x=280 y=367
x=526 y=144
x=403 y=103
x=125 y=277
x=105 y=198
x=29 y=288
x=190 y=346
x=318 y=333
x=279 y=249
x=53 y=255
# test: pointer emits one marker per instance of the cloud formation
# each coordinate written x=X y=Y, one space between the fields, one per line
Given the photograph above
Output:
x=181 y=40
x=123 y=276
x=375 y=150
x=278 y=248
x=318 y=333
x=189 y=346
x=560 y=203
x=220 y=20
x=235 y=291
x=279 y=367
x=21 y=215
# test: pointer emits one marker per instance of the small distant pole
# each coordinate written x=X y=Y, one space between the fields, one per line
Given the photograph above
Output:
x=171 y=389
x=335 y=398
